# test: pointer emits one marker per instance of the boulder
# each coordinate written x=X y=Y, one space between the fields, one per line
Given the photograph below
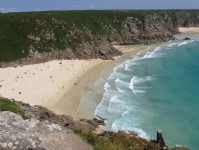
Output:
x=67 y=119
x=82 y=125
x=99 y=122
x=92 y=122
x=186 y=38
x=103 y=52
x=32 y=134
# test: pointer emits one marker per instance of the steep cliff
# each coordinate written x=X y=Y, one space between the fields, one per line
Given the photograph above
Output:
x=35 y=37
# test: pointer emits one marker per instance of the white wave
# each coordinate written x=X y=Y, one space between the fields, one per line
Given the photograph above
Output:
x=121 y=83
x=171 y=45
x=113 y=76
x=197 y=39
x=146 y=55
x=140 y=132
x=121 y=66
x=138 y=91
x=139 y=56
x=157 y=49
x=106 y=86
x=116 y=105
x=127 y=65
x=183 y=43
x=153 y=54
x=136 y=80
x=156 y=55
x=114 y=99
x=124 y=113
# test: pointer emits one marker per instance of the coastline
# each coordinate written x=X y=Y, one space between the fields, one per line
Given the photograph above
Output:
x=85 y=83
x=38 y=84
x=189 y=29
x=58 y=93
x=67 y=101
x=129 y=49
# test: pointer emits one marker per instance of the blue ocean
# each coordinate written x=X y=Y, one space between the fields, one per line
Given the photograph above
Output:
x=157 y=88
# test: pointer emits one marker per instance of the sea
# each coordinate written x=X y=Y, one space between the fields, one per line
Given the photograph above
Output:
x=157 y=88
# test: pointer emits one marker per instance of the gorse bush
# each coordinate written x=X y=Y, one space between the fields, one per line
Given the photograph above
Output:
x=115 y=141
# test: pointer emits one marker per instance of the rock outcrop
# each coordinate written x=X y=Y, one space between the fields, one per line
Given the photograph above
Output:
x=43 y=114
x=32 y=134
x=52 y=38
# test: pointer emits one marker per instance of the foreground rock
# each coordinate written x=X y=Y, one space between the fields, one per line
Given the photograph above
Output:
x=42 y=113
x=32 y=134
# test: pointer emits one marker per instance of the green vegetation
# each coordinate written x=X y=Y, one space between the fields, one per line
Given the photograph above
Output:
x=15 y=28
x=7 y=105
x=116 y=141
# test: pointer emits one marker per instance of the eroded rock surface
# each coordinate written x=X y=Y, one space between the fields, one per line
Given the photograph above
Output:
x=19 y=134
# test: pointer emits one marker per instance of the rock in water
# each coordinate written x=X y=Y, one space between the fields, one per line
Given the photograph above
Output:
x=186 y=38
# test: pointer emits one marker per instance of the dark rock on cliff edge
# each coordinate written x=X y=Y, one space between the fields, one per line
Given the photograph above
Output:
x=42 y=114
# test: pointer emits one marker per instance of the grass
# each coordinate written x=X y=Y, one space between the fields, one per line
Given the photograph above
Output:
x=115 y=141
x=7 y=105
x=15 y=27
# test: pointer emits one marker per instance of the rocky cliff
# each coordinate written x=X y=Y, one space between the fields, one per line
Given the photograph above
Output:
x=44 y=130
x=87 y=35
x=32 y=134
x=47 y=131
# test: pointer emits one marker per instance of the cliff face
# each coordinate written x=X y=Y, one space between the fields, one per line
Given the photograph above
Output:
x=49 y=38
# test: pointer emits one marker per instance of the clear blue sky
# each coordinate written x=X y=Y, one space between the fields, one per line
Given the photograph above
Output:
x=42 y=5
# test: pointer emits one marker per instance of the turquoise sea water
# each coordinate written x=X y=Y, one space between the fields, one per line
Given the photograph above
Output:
x=157 y=88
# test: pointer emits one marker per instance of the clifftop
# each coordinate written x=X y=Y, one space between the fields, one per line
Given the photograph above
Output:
x=46 y=130
x=34 y=37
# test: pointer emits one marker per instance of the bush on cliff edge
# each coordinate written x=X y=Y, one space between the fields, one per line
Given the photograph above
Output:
x=7 y=105
x=115 y=141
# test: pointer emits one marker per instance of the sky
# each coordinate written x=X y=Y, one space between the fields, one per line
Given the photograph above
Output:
x=44 y=5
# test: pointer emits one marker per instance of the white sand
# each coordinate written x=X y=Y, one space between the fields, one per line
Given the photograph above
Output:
x=191 y=29
x=129 y=49
x=63 y=92
x=37 y=89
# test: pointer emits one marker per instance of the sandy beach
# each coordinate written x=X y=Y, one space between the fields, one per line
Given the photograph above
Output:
x=129 y=49
x=57 y=85
x=37 y=84
x=191 y=29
